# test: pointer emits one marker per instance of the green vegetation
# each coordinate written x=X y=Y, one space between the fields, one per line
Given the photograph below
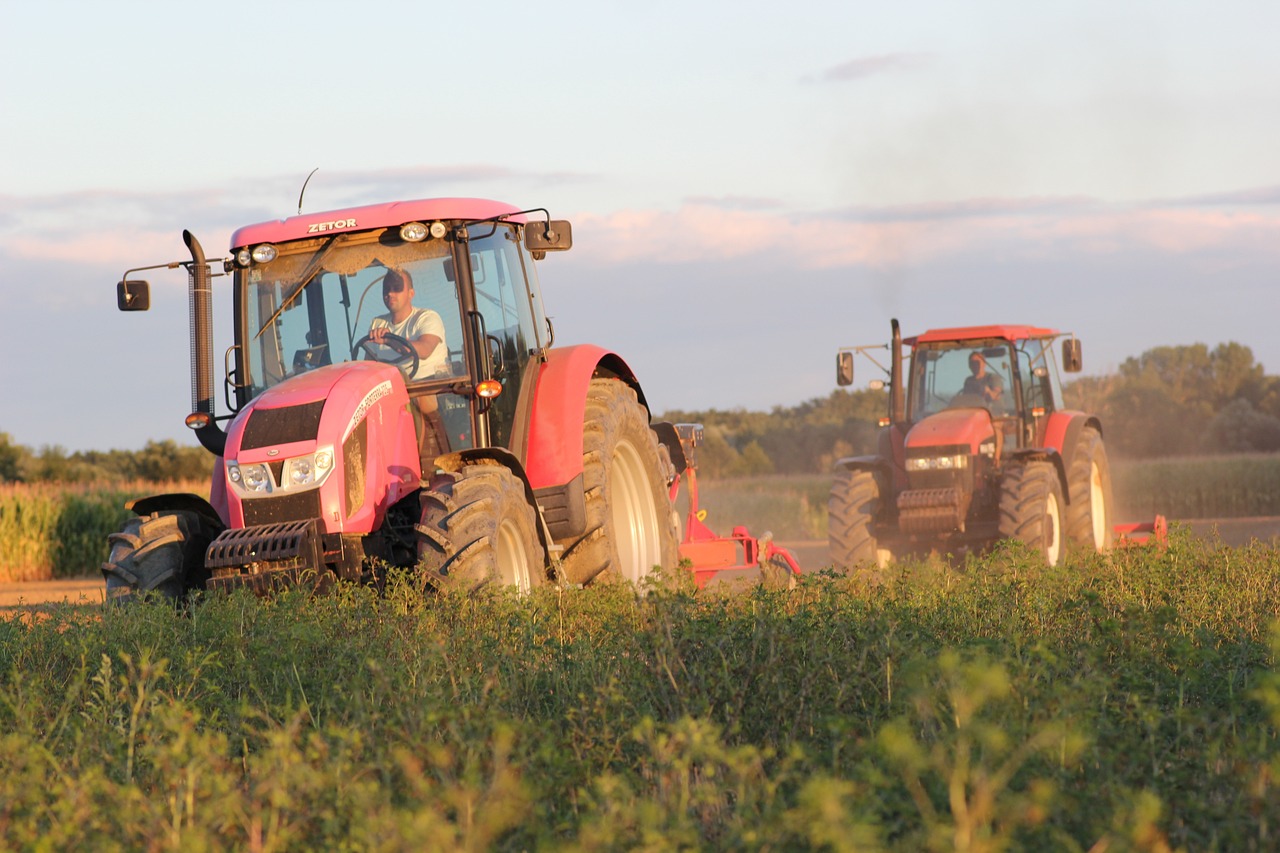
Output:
x=157 y=461
x=60 y=531
x=1128 y=702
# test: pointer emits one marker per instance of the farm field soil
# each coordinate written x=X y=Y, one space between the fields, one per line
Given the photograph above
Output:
x=811 y=555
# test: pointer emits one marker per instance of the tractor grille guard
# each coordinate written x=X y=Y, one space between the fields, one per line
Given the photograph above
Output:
x=266 y=557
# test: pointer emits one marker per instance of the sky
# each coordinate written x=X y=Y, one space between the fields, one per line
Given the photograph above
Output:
x=751 y=185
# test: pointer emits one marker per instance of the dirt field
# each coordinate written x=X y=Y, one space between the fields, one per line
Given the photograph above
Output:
x=1233 y=532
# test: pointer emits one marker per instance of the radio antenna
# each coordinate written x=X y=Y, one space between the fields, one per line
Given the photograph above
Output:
x=304 y=187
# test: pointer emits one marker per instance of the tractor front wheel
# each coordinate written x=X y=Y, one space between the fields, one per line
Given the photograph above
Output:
x=630 y=524
x=158 y=554
x=851 y=511
x=477 y=529
x=1031 y=509
x=1088 y=516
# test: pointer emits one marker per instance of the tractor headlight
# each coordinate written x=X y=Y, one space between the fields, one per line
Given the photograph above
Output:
x=413 y=232
x=310 y=470
x=254 y=478
x=938 y=463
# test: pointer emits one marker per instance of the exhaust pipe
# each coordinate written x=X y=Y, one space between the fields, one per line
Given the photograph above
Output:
x=201 y=418
x=897 y=404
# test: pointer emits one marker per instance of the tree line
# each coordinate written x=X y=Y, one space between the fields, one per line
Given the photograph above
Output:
x=1169 y=401
x=157 y=461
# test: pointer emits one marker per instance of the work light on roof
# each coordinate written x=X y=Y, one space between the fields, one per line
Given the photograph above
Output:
x=413 y=232
x=264 y=253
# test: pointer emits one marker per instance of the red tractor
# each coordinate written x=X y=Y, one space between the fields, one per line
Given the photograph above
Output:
x=977 y=447
x=394 y=400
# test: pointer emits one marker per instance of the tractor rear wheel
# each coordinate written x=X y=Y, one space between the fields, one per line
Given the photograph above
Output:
x=478 y=528
x=851 y=511
x=631 y=526
x=1088 y=515
x=159 y=554
x=1031 y=509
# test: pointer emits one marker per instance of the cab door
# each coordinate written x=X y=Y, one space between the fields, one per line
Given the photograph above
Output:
x=504 y=314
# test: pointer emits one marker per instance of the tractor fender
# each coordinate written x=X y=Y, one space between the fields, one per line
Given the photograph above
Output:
x=553 y=453
x=454 y=462
x=177 y=502
x=1062 y=433
x=1044 y=454
x=874 y=464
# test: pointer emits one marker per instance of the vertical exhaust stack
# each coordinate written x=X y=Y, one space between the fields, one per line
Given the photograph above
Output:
x=207 y=430
x=897 y=405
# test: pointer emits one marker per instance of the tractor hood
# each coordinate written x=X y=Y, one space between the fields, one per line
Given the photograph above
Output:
x=968 y=427
x=336 y=443
x=322 y=405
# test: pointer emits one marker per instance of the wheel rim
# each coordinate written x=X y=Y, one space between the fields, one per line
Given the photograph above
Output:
x=1053 y=530
x=1097 y=507
x=634 y=516
x=512 y=557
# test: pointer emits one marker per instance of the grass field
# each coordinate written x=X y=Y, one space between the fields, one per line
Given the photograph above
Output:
x=1126 y=702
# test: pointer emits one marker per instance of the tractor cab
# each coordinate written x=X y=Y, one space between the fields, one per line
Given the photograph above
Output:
x=1013 y=378
x=456 y=303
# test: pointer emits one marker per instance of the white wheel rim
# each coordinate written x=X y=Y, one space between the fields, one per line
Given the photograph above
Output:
x=634 y=516
x=1053 y=533
x=1097 y=507
x=513 y=560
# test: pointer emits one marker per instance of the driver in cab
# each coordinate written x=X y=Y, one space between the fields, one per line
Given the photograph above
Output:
x=424 y=330
x=421 y=327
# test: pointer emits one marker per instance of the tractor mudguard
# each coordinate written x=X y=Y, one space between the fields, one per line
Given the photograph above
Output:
x=1044 y=454
x=876 y=464
x=1062 y=433
x=177 y=502
x=554 y=451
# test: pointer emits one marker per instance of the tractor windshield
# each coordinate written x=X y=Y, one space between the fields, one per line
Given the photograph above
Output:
x=967 y=373
x=312 y=305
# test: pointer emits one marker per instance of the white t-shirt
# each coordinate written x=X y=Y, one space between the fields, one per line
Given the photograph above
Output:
x=421 y=321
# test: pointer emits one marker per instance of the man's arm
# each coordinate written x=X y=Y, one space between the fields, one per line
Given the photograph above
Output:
x=428 y=333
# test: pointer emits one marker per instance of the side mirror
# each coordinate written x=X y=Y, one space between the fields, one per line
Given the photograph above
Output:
x=1072 y=362
x=133 y=295
x=844 y=368
x=542 y=236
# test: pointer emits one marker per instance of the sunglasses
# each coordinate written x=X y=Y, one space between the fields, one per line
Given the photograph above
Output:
x=392 y=287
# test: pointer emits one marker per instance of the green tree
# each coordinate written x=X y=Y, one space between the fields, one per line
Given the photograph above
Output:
x=12 y=459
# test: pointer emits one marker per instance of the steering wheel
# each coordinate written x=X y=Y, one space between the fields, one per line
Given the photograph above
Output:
x=407 y=356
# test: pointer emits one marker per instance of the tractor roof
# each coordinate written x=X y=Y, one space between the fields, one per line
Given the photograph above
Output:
x=384 y=215
x=969 y=333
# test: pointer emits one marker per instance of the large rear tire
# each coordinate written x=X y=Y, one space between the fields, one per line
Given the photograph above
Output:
x=159 y=554
x=478 y=529
x=630 y=523
x=852 y=508
x=1031 y=509
x=1088 y=515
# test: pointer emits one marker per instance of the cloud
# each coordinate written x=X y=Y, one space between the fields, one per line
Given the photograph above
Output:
x=736 y=202
x=869 y=66
x=1256 y=196
x=887 y=237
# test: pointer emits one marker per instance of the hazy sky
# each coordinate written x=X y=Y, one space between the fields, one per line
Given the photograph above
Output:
x=752 y=185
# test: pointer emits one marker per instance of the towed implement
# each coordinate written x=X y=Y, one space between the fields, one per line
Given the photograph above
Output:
x=393 y=398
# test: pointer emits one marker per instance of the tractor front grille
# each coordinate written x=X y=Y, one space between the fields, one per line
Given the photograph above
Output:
x=281 y=508
x=267 y=427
